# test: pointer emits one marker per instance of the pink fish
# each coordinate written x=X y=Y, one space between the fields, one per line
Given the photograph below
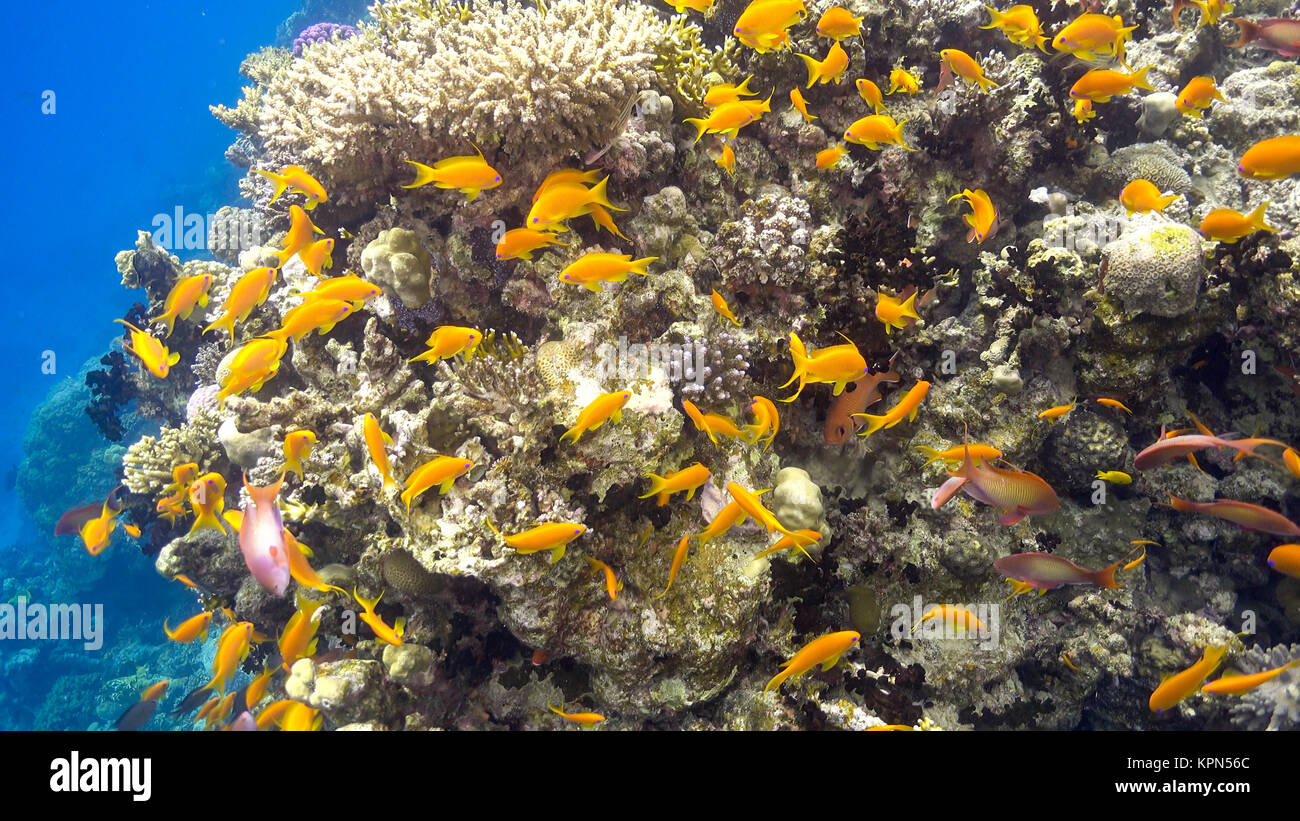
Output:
x=1168 y=448
x=1045 y=571
x=1276 y=33
x=1242 y=514
x=261 y=537
x=1017 y=492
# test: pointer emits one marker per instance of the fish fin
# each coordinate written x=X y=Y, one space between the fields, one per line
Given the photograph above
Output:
x=1256 y=218
x=1011 y=517
x=656 y=485
x=874 y=423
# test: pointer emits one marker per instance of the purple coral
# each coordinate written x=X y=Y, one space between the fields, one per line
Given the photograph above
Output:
x=319 y=33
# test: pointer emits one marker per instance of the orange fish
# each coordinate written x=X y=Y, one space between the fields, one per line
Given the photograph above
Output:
x=1143 y=197
x=688 y=480
x=604 y=408
x=152 y=354
x=1228 y=226
x=187 y=294
x=824 y=650
x=295 y=178
x=469 y=174
x=1199 y=94
x=195 y=627
x=828 y=157
x=831 y=68
x=838 y=364
x=907 y=408
x=612 y=583
x=1177 y=687
x=1101 y=84
x=958 y=62
x=1271 y=159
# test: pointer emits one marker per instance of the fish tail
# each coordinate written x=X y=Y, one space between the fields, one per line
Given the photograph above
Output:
x=799 y=354
x=700 y=126
x=596 y=195
x=1256 y=218
x=493 y=527
x=997 y=18
x=874 y=423
x=778 y=679
x=167 y=318
x=898 y=134
x=639 y=265
x=909 y=307
x=423 y=175
x=814 y=68
x=1106 y=576
x=575 y=432
x=1250 y=32
x=657 y=483
x=226 y=321
x=280 y=182
x=1138 y=79
x=931 y=452
x=1165 y=202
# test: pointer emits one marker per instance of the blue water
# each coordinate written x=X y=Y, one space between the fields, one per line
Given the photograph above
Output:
x=129 y=137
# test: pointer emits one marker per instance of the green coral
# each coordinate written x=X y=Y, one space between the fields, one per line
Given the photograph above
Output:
x=685 y=67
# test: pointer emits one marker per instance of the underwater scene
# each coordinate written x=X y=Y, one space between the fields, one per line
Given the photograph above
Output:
x=632 y=365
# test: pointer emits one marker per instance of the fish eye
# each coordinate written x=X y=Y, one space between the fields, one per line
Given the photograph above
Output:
x=498 y=178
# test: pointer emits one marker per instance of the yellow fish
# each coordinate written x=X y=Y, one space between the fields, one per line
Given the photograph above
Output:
x=1271 y=159
x=552 y=536
x=870 y=92
x=1115 y=403
x=350 y=288
x=1142 y=197
x=762 y=24
x=586 y=719
x=296 y=178
x=711 y=423
x=688 y=480
x=875 y=129
x=1057 y=412
x=893 y=312
x=250 y=291
x=900 y=79
x=301 y=230
x=728 y=118
x=604 y=408
x=448 y=340
x=680 y=6
x=1083 y=111
x=978 y=453
x=375 y=441
x=318 y=256
x=1115 y=477
x=392 y=635
x=801 y=105
x=727 y=159
x=97 y=532
x=962 y=64
x=297 y=446
x=566 y=176
x=1177 y=687
x=442 y=471
x=251 y=365
x=825 y=650
x=592 y=269
x=724 y=310
x=1227 y=225
x=469 y=174
x=767 y=422
x=1021 y=26
x=1199 y=94
x=152 y=353
x=562 y=201
x=837 y=23
x=983 y=218
x=185 y=295
x=727 y=93
x=959 y=617
x=612 y=583
x=519 y=243
x=838 y=364
x=831 y=68
x=828 y=157
x=314 y=315
x=1093 y=37
x=1100 y=84
x=207 y=500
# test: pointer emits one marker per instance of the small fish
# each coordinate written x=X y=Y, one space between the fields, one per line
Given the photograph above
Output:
x=727 y=159
x=298 y=638
x=1199 y=94
x=261 y=537
x=1018 y=493
x=604 y=408
x=1020 y=24
x=250 y=291
x=958 y=62
x=838 y=22
x=297 y=446
x=391 y=635
x=440 y=471
x=979 y=453
x=762 y=24
x=195 y=627
x=559 y=202
x=319 y=256
x=797 y=541
x=1047 y=571
x=312 y=316
x=838 y=364
x=350 y=288
x=727 y=93
x=519 y=243
x=1114 y=403
x=906 y=408
x=1142 y=197
x=711 y=423
x=1101 y=84
x=593 y=269
x=1211 y=10
x=900 y=79
x=688 y=480
x=1058 y=411
x=829 y=157
x=1228 y=226
x=132 y=530
x=152 y=353
x=870 y=92
x=1093 y=37
x=251 y=365
x=232 y=649
x=728 y=118
x=1278 y=34
x=1139 y=560
x=376 y=439
x=724 y=310
x=187 y=294
x=828 y=69
x=1179 y=686
x=301 y=233
x=1236 y=685
x=207 y=500
x=959 y=617
x=1115 y=477
x=983 y=218
x=679 y=556
x=680 y=6
x=552 y=536
x=1271 y=159
x=586 y=719
x=801 y=105
x=752 y=506
x=767 y=422
x=612 y=583
x=295 y=178
x=1285 y=559
x=1242 y=514
x=1083 y=111
x=824 y=650
x=301 y=569
x=874 y=130
x=893 y=312
x=470 y=174
x=447 y=341
x=728 y=517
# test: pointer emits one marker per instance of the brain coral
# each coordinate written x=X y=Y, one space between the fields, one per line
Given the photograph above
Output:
x=1156 y=269
x=532 y=82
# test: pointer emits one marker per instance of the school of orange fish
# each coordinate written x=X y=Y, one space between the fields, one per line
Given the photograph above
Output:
x=274 y=556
